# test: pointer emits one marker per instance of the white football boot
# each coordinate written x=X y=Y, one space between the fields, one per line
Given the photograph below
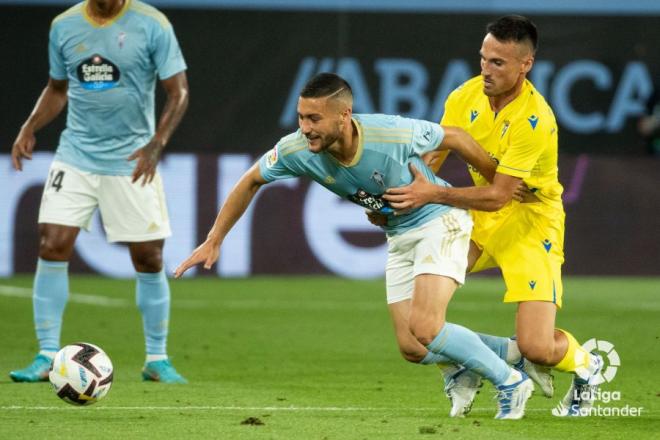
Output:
x=580 y=397
x=461 y=387
x=539 y=374
x=512 y=398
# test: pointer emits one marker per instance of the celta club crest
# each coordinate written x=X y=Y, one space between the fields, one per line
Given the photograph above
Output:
x=121 y=38
x=378 y=177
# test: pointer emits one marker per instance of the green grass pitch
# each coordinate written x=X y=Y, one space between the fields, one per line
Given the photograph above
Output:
x=312 y=358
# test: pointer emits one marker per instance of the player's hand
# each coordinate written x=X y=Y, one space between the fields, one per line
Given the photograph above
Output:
x=376 y=218
x=523 y=194
x=206 y=253
x=147 y=160
x=22 y=148
x=519 y=192
x=418 y=193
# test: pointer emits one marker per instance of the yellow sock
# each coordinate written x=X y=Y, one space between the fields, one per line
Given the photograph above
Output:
x=575 y=357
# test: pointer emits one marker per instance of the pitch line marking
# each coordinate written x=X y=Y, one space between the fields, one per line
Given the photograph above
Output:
x=239 y=408
x=96 y=300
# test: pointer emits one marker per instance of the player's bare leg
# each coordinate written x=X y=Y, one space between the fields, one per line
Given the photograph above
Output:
x=153 y=299
x=51 y=290
x=411 y=349
x=429 y=306
x=462 y=385
x=540 y=342
x=446 y=341
x=473 y=255
x=538 y=339
x=56 y=241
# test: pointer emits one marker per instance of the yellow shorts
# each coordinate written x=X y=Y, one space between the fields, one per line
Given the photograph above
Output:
x=526 y=241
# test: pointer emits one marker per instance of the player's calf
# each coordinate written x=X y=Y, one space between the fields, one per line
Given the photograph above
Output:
x=538 y=351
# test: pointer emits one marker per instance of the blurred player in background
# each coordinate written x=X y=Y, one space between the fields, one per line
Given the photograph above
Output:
x=649 y=124
x=505 y=114
x=357 y=157
x=104 y=60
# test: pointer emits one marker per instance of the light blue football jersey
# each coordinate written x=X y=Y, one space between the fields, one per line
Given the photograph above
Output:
x=111 y=72
x=387 y=144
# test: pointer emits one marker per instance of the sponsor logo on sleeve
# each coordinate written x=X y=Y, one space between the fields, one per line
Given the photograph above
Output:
x=271 y=158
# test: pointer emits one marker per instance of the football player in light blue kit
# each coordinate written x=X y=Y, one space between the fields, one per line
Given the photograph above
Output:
x=105 y=57
x=358 y=157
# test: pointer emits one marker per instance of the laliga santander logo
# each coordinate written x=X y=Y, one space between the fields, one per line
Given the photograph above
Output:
x=585 y=400
x=613 y=361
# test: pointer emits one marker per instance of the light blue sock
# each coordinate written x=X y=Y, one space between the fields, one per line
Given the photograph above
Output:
x=498 y=344
x=153 y=300
x=50 y=293
x=464 y=347
x=435 y=358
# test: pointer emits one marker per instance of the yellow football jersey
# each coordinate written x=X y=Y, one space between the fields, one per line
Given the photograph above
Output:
x=522 y=137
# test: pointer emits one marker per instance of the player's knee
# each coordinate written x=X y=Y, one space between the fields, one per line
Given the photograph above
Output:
x=539 y=352
x=412 y=354
x=148 y=262
x=54 y=249
x=425 y=330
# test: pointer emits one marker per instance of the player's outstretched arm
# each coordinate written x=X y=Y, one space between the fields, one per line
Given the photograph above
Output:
x=50 y=103
x=237 y=202
x=176 y=88
x=459 y=141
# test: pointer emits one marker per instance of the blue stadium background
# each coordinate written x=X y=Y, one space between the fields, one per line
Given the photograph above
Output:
x=597 y=65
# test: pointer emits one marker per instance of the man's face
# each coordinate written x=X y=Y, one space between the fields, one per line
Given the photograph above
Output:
x=503 y=64
x=321 y=120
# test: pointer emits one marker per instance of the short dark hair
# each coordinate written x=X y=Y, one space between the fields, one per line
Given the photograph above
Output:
x=514 y=28
x=326 y=84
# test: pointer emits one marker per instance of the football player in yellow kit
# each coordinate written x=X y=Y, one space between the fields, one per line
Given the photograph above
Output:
x=503 y=111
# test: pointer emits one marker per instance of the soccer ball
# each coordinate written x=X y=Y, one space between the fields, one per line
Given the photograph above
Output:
x=81 y=374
